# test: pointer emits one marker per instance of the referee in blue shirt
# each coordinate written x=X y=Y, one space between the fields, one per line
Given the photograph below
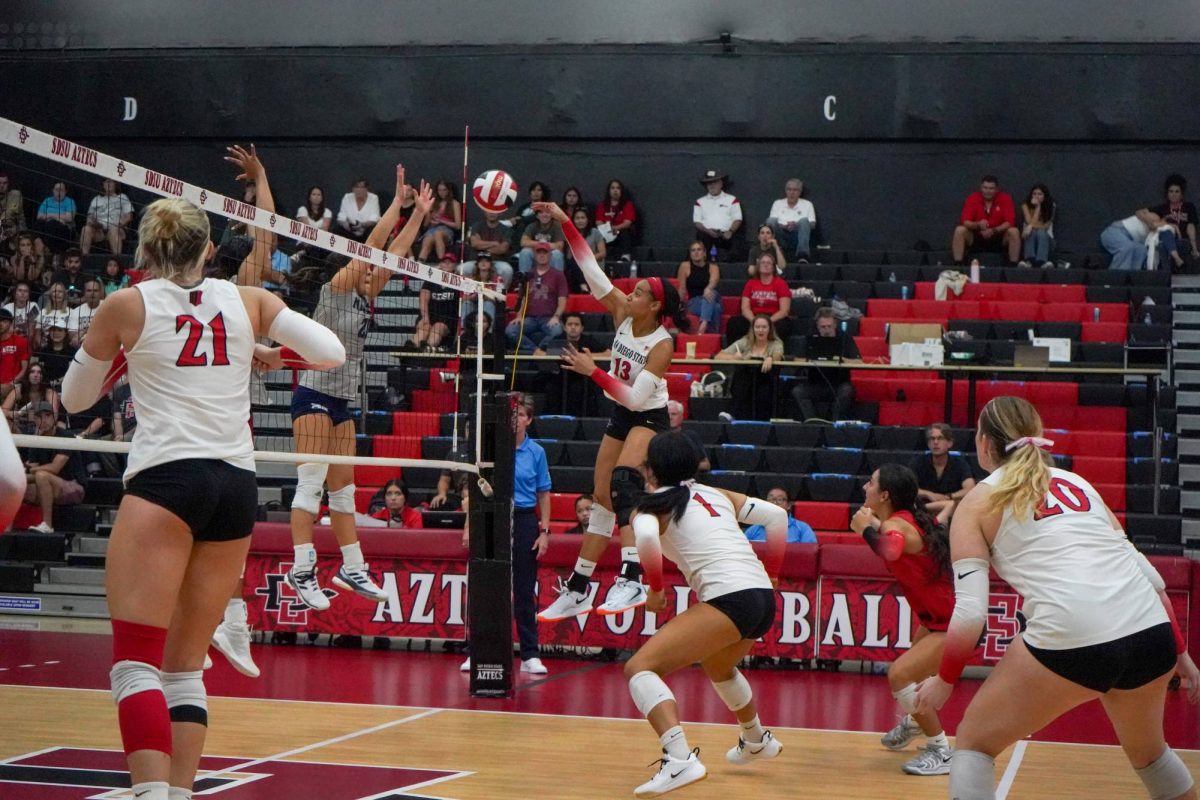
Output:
x=530 y=533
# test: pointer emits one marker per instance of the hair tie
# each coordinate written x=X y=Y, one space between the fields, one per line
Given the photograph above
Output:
x=1036 y=441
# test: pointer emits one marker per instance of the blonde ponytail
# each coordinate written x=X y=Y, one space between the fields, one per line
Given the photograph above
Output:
x=1026 y=479
x=172 y=238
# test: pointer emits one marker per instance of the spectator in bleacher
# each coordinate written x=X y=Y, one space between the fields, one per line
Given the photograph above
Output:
x=523 y=214
x=1179 y=212
x=14 y=354
x=19 y=405
x=24 y=311
x=56 y=219
x=569 y=392
x=237 y=232
x=55 y=477
x=766 y=243
x=943 y=478
x=81 y=315
x=698 y=277
x=766 y=293
x=753 y=390
x=114 y=276
x=572 y=201
x=124 y=421
x=717 y=215
x=543 y=230
x=827 y=383
x=595 y=241
x=1138 y=241
x=798 y=532
x=12 y=203
x=616 y=216
x=483 y=269
x=107 y=216
x=314 y=212
x=987 y=222
x=583 y=514
x=55 y=311
x=1038 y=228
x=574 y=334
x=276 y=280
x=358 y=212
x=94 y=422
x=71 y=274
x=546 y=289
x=675 y=415
x=55 y=354
x=438 y=323
x=26 y=264
x=494 y=238
x=793 y=220
x=396 y=511
x=443 y=223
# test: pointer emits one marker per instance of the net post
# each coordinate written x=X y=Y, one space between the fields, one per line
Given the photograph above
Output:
x=489 y=570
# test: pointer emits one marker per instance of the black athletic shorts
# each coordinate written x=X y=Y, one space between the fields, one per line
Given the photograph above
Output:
x=1125 y=663
x=752 y=610
x=623 y=421
x=218 y=501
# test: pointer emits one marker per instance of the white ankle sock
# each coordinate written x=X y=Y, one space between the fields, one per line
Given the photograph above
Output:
x=151 y=790
x=674 y=744
x=306 y=557
x=753 y=731
x=352 y=555
x=585 y=567
x=630 y=554
x=939 y=741
x=235 y=612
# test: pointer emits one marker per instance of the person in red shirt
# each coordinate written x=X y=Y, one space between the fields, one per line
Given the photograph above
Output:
x=617 y=210
x=14 y=355
x=396 y=511
x=988 y=222
x=766 y=293
x=916 y=550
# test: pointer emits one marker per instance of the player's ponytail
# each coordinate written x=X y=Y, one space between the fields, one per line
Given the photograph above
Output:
x=900 y=483
x=673 y=462
x=673 y=308
x=1010 y=423
x=172 y=238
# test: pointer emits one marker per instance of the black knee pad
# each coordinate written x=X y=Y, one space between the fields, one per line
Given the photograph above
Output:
x=628 y=487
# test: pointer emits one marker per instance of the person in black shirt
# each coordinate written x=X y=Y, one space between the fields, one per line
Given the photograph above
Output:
x=943 y=478
x=568 y=392
x=675 y=413
x=55 y=355
x=55 y=477
x=1181 y=213
x=827 y=383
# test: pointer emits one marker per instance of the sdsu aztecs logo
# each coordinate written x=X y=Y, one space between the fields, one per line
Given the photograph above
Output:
x=494 y=191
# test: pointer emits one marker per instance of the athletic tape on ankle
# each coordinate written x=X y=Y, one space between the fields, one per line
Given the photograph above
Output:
x=342 y=500
x=648 y=690
x=735 y=692
x=187 y=699
x=907 y=698
x=131 y=175
x=1166 y=778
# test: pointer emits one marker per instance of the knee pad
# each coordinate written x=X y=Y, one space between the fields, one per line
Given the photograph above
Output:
x=310 y=485
x=907 y=698
x=972 y=776
x=141 y=707
x=648 y=690
x=735 y=692
x=187 y=700
x=342 y=500
x=627 y=488
x=601 y=522
x=1166 y=778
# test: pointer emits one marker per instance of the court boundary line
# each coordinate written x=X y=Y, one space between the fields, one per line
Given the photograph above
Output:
x=554 y=716
x=1010 y=772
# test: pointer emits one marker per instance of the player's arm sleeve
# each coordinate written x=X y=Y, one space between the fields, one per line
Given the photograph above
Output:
x=774 y=520
x=888 y=545
x=632 y=397
x=87 y=378
x=646 y=535
x=595 y=278
x=312 y=343
x=970 y=615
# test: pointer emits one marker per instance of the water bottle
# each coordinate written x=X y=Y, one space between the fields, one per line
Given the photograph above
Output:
x=1096 y=314
x=904 y=292
x=843 y=326
x=1147 y=319
x=892 y=278
x=712 y=253
x=633 y=269
x=975 y=270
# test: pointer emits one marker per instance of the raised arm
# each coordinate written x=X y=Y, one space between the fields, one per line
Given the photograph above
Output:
x=349 y=277
x=602 y=289
x=257 y=266
x=408 y=234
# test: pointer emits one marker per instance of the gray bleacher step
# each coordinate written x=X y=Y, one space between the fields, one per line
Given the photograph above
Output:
x=1189 y=475
x=1187 y=356
x=1188 y=422
x=271 y=469
x=1189 y=500
x=60 y=601
x=74 y=576
x=1185 y=281
x=1189 y=447
x=92 y=545
x=1187 y=377
x=1188 y=317
x=1191 y=529
x=269 y=494
x=1186 y=336
x=85 y=560
x=1187 y=399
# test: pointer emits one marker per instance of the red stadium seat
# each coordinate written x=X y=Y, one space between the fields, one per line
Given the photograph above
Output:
x=407 y=446
x=981 y=291
x=437 y=402
x=625 y=285
x=892 y=309
x=1057 y=416
x=1012 y=312
x=966 y=309
x=1112 y=493
x=562 y=526
x=871 y=390
x=924 y=291
x=872 y=349
x=1063 y=293
x=679 y=387
x=1063 y=312
x=826 y=516
x=584 y=303
x=874 y=327
x=362 y=497
x=1104 y=443
x=1109 y=312
x=731 y=306
x=1020 y=292
x=1103 y=419
x=1103 y=332
x=411 y=423
x=921 y=390
x=912 y=414
x=1097 y=469
x=562 y=506
x=707 y=344
x=839 y=537
x=931 y=309
x=372 y=476
x=1052 y=393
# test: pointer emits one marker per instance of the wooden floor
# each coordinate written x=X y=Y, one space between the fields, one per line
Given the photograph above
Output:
x=478 y=755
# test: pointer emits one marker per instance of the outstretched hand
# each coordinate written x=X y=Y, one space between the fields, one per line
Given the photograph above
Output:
x=247 y=161
x=555 y=212
x=424 y=198
x=400 y=186
x=580 y=361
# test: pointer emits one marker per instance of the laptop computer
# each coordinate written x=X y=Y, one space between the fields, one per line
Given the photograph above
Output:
x=434 y=518
x=823 y=348
x=1027 y=355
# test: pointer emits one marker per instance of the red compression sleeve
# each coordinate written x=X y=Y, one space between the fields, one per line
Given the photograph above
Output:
x=293 y=359
x=961 y=642
x=118 y=368
x=888 y=545
x=616 y=390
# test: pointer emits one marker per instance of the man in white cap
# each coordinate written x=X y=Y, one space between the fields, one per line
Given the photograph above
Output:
x=717 y=215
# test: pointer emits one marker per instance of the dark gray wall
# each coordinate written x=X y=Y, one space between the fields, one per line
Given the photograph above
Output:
x=356 y=23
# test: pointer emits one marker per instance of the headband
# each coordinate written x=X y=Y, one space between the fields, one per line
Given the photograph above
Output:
x=1036 y=441
x=656 y=288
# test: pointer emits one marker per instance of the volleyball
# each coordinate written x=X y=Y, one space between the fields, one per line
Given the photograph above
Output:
x=494 y=191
